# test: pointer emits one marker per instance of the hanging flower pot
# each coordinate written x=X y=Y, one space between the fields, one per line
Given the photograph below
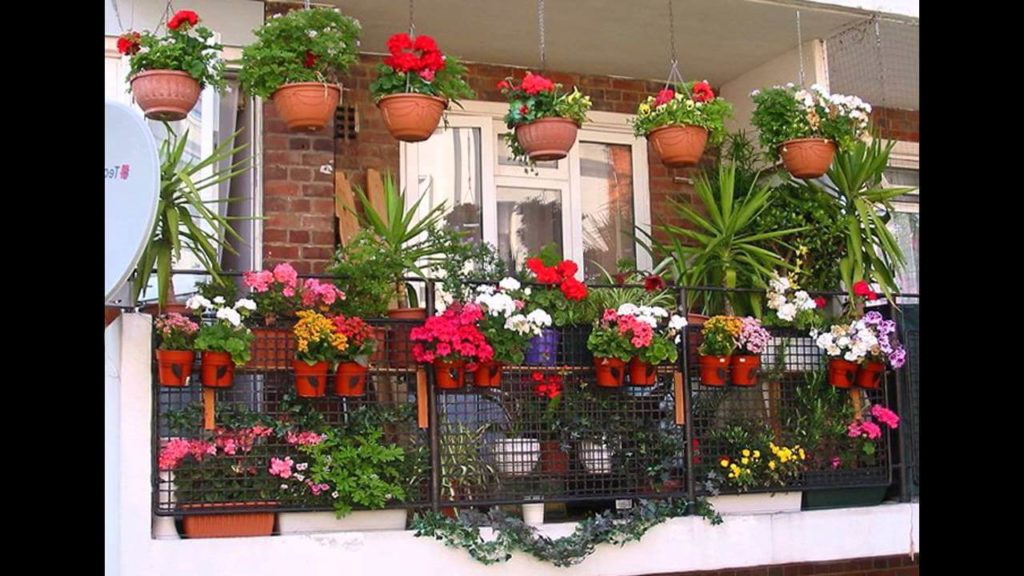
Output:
x=488 y=375
x=642 y=373
x=166 y=95
x=714 y=370
x=449 y=375
x=411 y=117
x=306 y=105
x=678 y=146
x=869 y=375
x=610 y=372
x=310 y=381
x=547 y=139
x=542 y=350
x=807 y=157
x=350 y=379
x=745 y=368
x=216 y=369
x=175 y=366
x=841 y=373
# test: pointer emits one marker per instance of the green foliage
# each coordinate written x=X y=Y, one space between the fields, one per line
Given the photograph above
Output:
x=448 y=83
x=508 y=344
x=225 y=288
x=315 y=45
x=790 y=112
x=189 y=49
x=661 y=350
x=464 y=260
x=618 y=528
x=564 y=312
x=365 y=269
x=464 y=472
x=183 y=218
x=538 y=98
x=222 y=336
x=606 y=342
x=682 y=109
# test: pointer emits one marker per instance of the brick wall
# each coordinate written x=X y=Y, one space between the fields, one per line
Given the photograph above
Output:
x=880 y=566
x=897 y=124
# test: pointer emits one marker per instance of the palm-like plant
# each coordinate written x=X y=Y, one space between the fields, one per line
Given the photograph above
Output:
x=720 y=249
x=182 y=211
x=855 y=181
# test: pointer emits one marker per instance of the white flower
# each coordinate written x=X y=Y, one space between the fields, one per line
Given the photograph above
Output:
x=787 y=312
x=334 y=494
x=676 y=322
x=776 y=301
x=539 y=318
x=246 y=304
x=312 y=33
x=843 y=341
x=528 y=291
x=628 y=309
x=789 y=84
x=302 y=466
x=779 y=283
x=509 y=284
x=485 y=289
x=850 y=356
x=283 y=486
x=300 y=477
x=231 y=315
x=755 y=93
x=218 y=300
x=197 y=301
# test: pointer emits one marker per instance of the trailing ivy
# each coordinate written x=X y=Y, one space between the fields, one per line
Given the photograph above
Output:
x=511 y=533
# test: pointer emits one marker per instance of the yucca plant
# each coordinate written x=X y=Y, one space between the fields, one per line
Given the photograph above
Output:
x=182 y=212
x=720 y=249
x=855 y=182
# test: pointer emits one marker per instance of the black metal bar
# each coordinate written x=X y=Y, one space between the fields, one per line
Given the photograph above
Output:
x=435 y=437
x=904 y=445
x=684 y=364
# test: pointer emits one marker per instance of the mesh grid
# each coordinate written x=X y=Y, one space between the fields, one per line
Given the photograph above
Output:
x=878 y=64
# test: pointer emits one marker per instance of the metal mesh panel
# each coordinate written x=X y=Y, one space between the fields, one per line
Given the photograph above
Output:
x=877 y=60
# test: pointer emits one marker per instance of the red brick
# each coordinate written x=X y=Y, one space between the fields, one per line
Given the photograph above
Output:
x=299 y=206
x=628 y=84
x=285 y=221
x=299 y=143
x=319 y=266
x=316 y=159
x=316 y=252
x=283 y=252
x=282 y=158
x=303 y=268
x=280 y=188
x=271 y=236
x=319 y=176
x=318 y=190
x=318 y=221
x=321 y=206
x=274 y=173
x=300 y=174
x=322 y=237
x=275 y=204
x=275 y=142
x=323 y=144
x=298 y=237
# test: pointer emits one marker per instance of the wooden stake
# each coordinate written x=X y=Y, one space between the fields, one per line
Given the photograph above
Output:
x=422 y=411
x=677 y=381
x=858 y=404
x=344 y=203
x=375 y=192
x=209 y=408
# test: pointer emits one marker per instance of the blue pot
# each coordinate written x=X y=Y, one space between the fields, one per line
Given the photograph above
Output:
x=543 y=350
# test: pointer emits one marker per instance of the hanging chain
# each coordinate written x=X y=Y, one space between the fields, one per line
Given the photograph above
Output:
x=800 y=48
x=117 y=13
x=881 y=62
x=674 y=77
x=165 y=18
x=540 y=19
x=412 y=21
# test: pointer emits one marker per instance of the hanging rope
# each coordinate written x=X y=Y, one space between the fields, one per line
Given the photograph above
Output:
x=800 y=48
x=540 y=19
x=674 y=77
x=881 y=62
x=412 y=22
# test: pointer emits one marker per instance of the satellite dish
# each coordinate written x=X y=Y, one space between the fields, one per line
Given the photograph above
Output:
x=131 y=171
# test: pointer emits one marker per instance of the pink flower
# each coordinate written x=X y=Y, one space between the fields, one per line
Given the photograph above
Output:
x=853 y=430
x=427 y=75
x=261 y=431
x=535 y=84
x=885 y=416
x=288 y=292
x=871 y=429
x=609 y=315
x=281 y=468
x=664 y=96
x=304 y=438
x=285 y=274
x=836 y=462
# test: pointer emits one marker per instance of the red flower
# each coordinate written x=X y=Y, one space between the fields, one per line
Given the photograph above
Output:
x=702 y=92
x=861 y=288
x=310 y=60
x=619 y=278
x=399 y=42
x=544 y=274
x=432 y=61
x=820 y=302
x=181 y=17
x=403 y=62
x=664 y=96
x=537 y=376
x=504 y=85
x=654 y=283
x=550 y=389
x=128 y=43
x=567 y=268
x=535 y=84
x=573 y=289
x=424 y=44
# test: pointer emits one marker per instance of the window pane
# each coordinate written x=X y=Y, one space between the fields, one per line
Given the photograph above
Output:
x=606 y=189
x=449 y=171
x=505 y=157
x=528 y=219
x=906 y=227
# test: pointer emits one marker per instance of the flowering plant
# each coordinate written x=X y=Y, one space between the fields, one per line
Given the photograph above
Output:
x=787 y=112
x=564 y=297
x=323 y=296
x=229 y=466
x=752 y=338
x=720 y=334
x=618 y=335
x=225 y=333
x=359 y=336
x=665 y=329
x=452 y=335
x=547 y=397
x=537 y=97
x=177 y=332
x=275 y=292
x=748 y=468
x=418 y=66
x=689 y=103
x=858 y=445
x=788 y=304
x=872 y=338
x=314 y=45
x=316 y=339
x=186 y=47
x=505 y=324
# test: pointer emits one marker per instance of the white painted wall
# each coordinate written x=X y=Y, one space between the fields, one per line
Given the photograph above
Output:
x=779 y=70
x=909 y=8
x=111 y=452
x=233 y=19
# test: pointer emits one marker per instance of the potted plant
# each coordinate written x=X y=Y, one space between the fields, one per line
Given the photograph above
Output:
x=746 y=358
x=564 y=298
x=546 y=403
x=167 y=73
x=225 y=341
x=354 y=360
x=276 y=293
x=453 y=343
x=506 y=327
x=297 y=60
x=680 y=120
x=594 y=424
x=859 y=351
x=465 y=474
x=720 y=334
x=660 y=347
x=543 y=119
x=317 y=347
x=612 y=342
x=174 y=354
x=805 y=127
x=414 y=85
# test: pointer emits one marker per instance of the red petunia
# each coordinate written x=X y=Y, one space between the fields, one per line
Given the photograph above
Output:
x=573 y=289
x=425 y=44
x=398 y=43
x=310 y=60
x=567 y=268
x=654 y=283
x=861 y=288
x=702 y=92
x=128 y=43
x=182 y=17
x=537 y=376
x=664 y=96
x=535 y=84
x=819 y=302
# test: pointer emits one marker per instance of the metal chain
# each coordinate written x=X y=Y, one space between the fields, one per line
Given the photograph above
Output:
x=117 y=13
x=800 y=47
x=540 y=18
x=412 y=22
x=674 y=77
x=165 y=18
x=881 y=61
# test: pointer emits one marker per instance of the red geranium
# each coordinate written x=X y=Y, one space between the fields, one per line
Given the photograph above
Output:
x=819 y=302
x=310 y=60
x=664 y=96
x=573 y=289
x=414 y=56
x=535 y=84
x=549 y=387
x=654 y=283
x=567 y=268
x=544 y=274
x=399 y=42
x=425 y=44
x=433 y=61
x=504 y=85
x=702 y=92
x=128 y=43
x=183 y=17
x=452 y=335
x=861 y=288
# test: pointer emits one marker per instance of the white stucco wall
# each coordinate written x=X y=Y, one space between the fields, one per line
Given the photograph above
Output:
x=233 y=19
x=909 y=8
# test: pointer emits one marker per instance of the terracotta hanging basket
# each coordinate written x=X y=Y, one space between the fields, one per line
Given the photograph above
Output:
x=306 y=105
x=165 y=94
x=310 y=381
x=411 y=117
x=175 y=366
x=807 y=157
x=217 y=370
x=869 y=375
x=714 y=370
x=610 y=372
x=642 y=373
x=679 y=146
x=841 y=373
x=745 y=368
x=488 y=375
x=547 y=139
x=449 y=375
x=350 y=380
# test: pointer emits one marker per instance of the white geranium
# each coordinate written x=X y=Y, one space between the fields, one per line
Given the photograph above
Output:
x=509 y=284
x=218 y=300
x=485 y=289
x=246 y=304
x=676 y=322
x=628 y=309
x=231 y=315
x=787 y=312
x=197 y=301
x=497 y=304
x=540 y=318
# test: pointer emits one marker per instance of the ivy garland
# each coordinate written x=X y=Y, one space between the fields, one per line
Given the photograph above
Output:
x=511 y=533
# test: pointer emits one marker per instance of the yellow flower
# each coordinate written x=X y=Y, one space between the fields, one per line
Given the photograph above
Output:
x=745 y=460
x=745 y=452
x=757 y=453
x=802 y=455
x=645 y=108
x=771 y=464
x=724 y=462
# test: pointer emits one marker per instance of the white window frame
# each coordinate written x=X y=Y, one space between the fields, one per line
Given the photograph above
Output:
x=602 y=127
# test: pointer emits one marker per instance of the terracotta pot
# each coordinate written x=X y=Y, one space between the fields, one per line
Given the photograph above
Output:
x=306 y=105
x=610 y=372
x=841 y=373
x=165 y=94
x=807 y=157
x=229 y=524
x=714 y=370
x=547 y=139
x=488 y=375
x=745 y=368
x=272 y=349
x=449 y=375
x=678 y=146
x=216 y=370
x=411 y=117
x=350 y=379
x=869 y=375
x=642 y=373
x=310 y=381
x=399 y=347
x=380 y=353
x=553 y=460
x=175 y=366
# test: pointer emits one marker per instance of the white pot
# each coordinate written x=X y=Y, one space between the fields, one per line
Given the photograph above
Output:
x=533 y=513
x=357 y=520
x=515 y=456
x=802 y=354
x=760 y=503
x=595 y=456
